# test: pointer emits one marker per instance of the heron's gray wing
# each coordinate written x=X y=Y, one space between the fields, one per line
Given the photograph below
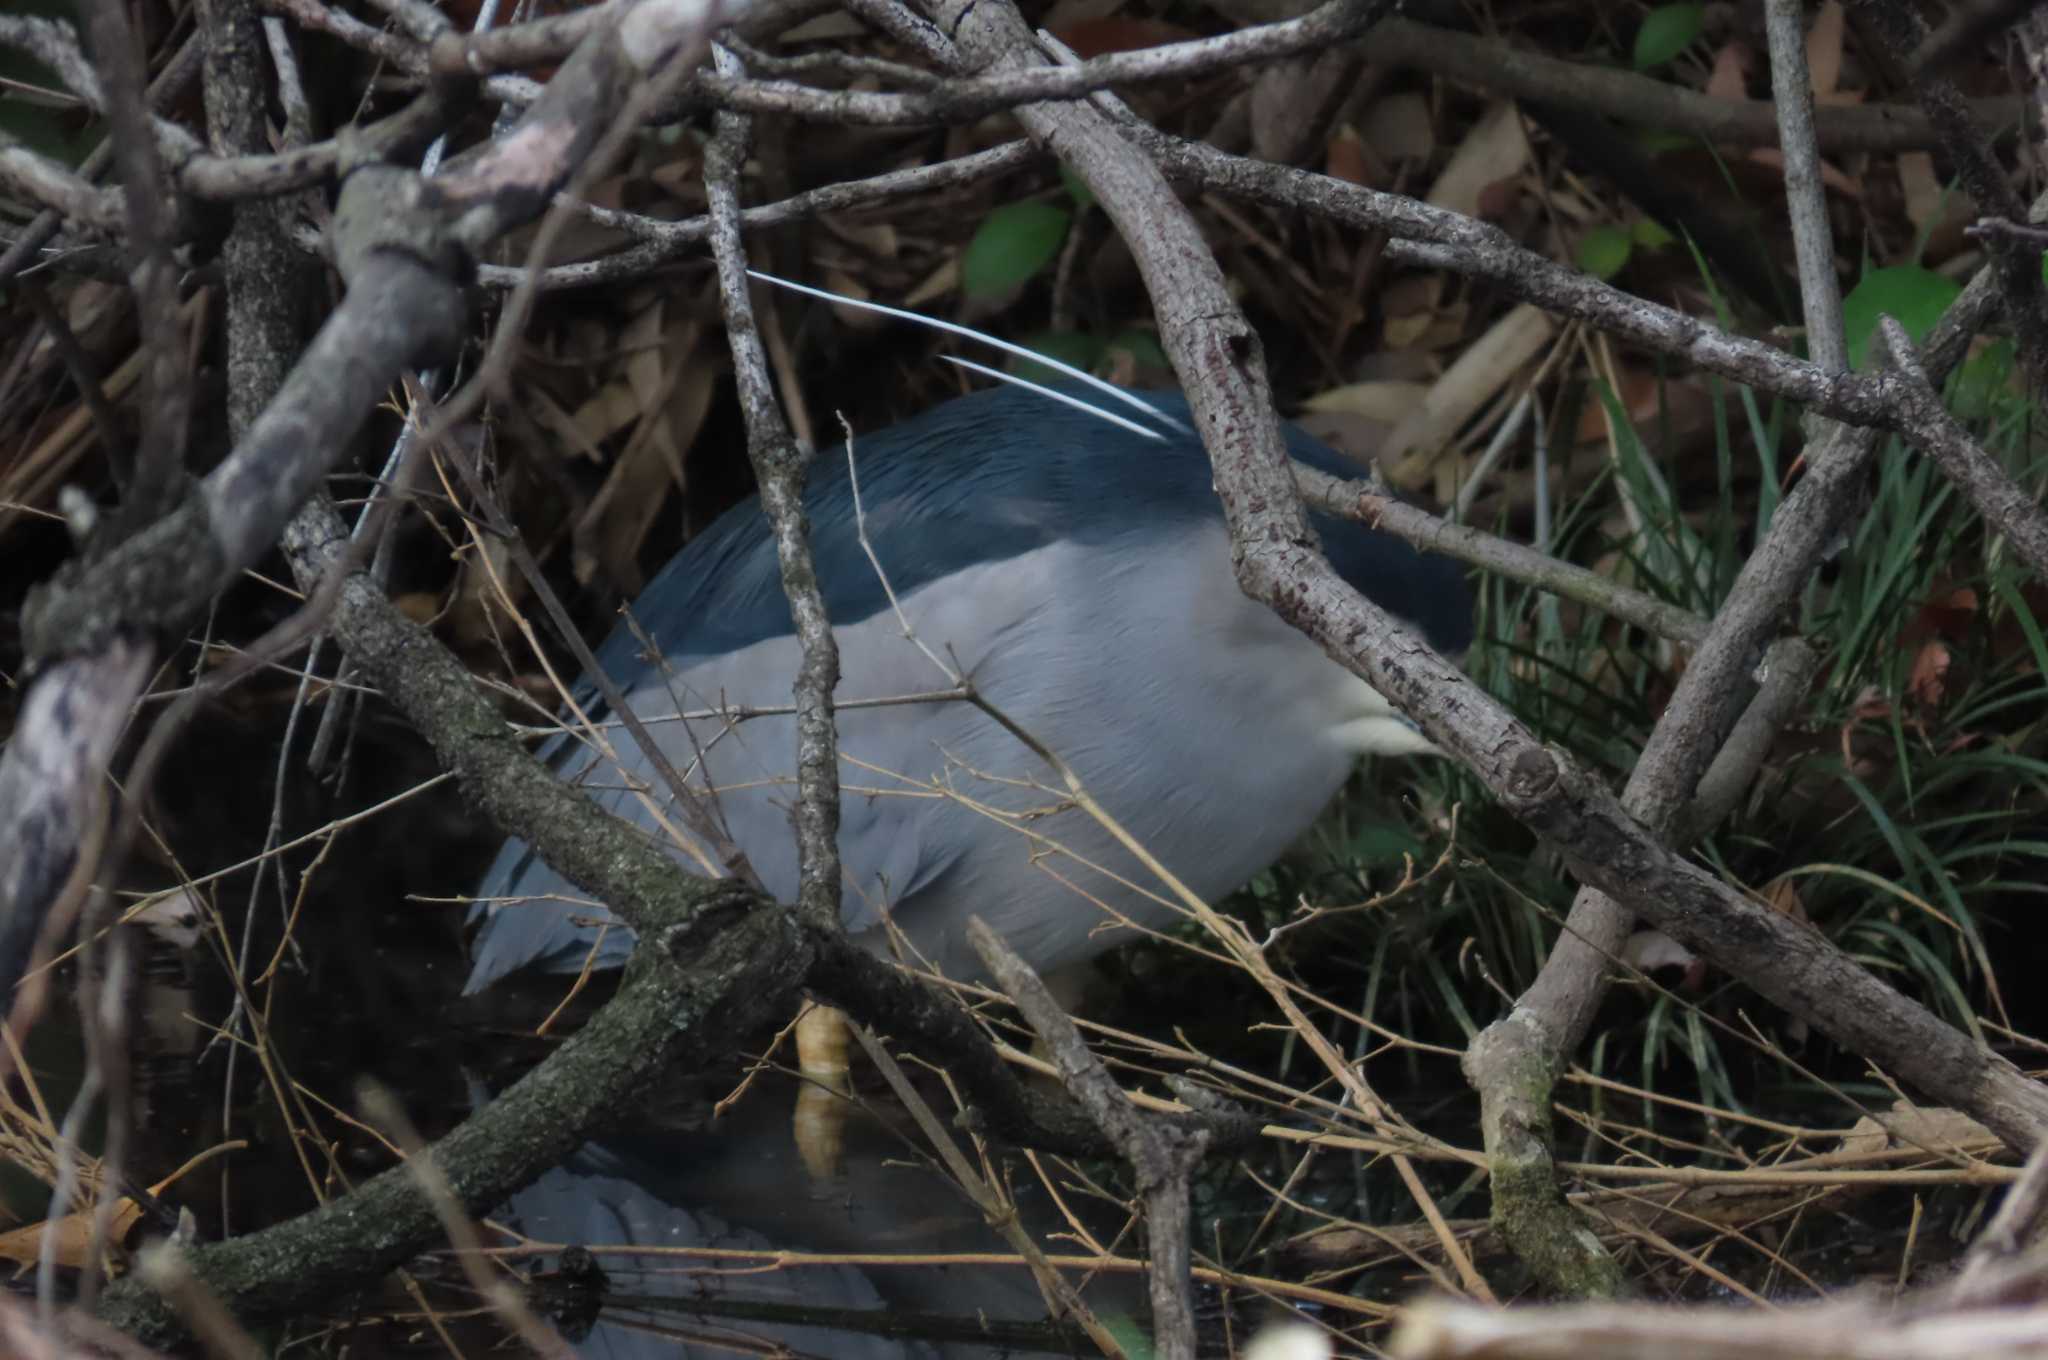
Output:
x=955 y=500
x=528 y=914
x=740 y=763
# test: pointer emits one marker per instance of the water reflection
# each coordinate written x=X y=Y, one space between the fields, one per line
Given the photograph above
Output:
x=742 y=1188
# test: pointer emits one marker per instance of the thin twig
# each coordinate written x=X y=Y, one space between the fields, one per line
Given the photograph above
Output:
x=1060 y=1295
x=1813 y=238
x=2005 y=504
x=1162 y=1155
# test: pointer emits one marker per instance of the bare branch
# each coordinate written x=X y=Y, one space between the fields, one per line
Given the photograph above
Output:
x=671 y=240
x=1820 y=292
x=780 y=466
x=1369 y=505
x=1162 y=1154
x=37 y=178
x=1643 y=101
x=169 y=85
x=2007 y=507
x=52 y=779
x=2019 y=269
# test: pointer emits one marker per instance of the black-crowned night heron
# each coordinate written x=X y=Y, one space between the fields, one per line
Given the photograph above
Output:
x=1075 y=567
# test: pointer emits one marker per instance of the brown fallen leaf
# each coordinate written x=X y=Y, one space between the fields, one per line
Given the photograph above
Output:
x=24 y=1246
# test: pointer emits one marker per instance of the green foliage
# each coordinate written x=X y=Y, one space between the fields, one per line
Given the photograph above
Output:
x=1906 y=823
x=1075 y=187
x=1011 y=246
x=1983 y=386
x=1142 y=347
x=1066 y=347
x=1649 y=233
x=1088 y=352
x=1912 y=296
x=1667 y=31
x=1604 y=251
x=1133 y=1337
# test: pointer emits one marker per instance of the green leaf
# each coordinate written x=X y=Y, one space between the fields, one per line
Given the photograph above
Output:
x=1142 y=346
x=1667 y=30
x=1384 y=843
x=1603 y=251
x=1982 y=380
x=1913 y=296
x=1129 y=1335
x=1012 y=244
x=1652 y=142
x=1649 y=233
x=1075 y=186
x=1066 y=347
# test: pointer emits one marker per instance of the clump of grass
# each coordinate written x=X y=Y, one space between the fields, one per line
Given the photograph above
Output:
x=1903 y=816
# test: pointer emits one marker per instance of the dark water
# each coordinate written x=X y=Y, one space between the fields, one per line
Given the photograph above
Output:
x=742 y=1187
x=664 y=1179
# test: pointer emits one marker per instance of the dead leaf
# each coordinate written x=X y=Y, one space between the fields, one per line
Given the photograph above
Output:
x=476 y=599
x=1116 y=33
x=1937 y=1130
x=858 y=320
x=1867 y=1139
x=1832 y=177
x=1497 y=198
x=1399 y=127
x=1782 y=896
x=1487 y=365
x=940 y=282
x=1949 y=614
x=612 y=408
x=1495 y=149
x=1408 y=306
x=1389 y=402
x=1922 y=188
x=418 y=605
x=1347 y=158
x=878 y=239
x=1730 y=77
x=1824 y=49
x=613 y=527
x=1927 y=682
x=24 y=1246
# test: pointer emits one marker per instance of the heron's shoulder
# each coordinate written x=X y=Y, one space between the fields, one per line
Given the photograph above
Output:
x=989 y=478
x=984 y=478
